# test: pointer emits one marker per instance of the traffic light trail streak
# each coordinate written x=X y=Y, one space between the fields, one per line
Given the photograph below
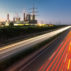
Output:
x=61 y=58
x=12 y=49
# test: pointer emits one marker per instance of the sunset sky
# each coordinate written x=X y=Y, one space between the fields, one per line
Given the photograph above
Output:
x=54 y=11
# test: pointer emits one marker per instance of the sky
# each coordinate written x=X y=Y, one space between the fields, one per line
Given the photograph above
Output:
x=47 y=11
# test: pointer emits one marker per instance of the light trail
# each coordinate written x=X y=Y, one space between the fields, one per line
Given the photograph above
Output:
x=50 y=59
x=61 y=58
x=61 y=61
x=54 y=62
x=26 y=44
x=68 y=65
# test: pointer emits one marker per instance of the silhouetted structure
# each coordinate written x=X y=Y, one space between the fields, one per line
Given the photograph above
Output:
x=7 y=16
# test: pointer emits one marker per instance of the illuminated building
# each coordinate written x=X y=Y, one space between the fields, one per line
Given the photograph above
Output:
x=28 y=17
x=24 y=17
x=8 y=17
x=14 y=19
x=7 y=21
x=33 y=19
x=17 y=19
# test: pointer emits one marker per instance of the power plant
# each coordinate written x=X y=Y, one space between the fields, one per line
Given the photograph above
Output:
x=27 y=18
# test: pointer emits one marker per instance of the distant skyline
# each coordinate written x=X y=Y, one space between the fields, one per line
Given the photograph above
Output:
x=48 y=11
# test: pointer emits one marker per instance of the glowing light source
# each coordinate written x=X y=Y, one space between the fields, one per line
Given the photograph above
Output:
x=68 y=64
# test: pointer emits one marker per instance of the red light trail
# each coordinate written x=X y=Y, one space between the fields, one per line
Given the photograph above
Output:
x=61 y=58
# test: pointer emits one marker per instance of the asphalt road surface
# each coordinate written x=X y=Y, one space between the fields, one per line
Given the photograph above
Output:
x=55 y=57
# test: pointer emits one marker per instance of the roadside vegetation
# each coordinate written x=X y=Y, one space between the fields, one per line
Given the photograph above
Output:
x=11 y=32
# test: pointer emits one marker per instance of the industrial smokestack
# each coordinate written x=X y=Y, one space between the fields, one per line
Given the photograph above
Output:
x=24 y=16
x=8 y=17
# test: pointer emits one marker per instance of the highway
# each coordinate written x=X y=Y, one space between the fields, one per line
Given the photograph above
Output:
x=50 y=58
x=55 y=57
x=9 y=50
